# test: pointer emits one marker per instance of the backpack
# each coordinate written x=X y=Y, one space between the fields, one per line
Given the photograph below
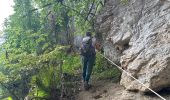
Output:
x=87 y=48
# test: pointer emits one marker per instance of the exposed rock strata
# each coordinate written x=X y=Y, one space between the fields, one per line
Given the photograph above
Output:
x=137 y=35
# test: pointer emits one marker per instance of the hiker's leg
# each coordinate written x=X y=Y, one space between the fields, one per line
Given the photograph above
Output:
x=90 y=64
x=84 y=64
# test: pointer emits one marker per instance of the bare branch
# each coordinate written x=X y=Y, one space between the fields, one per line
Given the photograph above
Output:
x=89 y=11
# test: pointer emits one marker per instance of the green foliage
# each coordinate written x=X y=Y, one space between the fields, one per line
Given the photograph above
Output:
x=3 y=78
x=124 y=2
x=25 y=66
x=71 y=64
x=48 y=77
x=33 y=51
x=104 y=70
x=9 y=98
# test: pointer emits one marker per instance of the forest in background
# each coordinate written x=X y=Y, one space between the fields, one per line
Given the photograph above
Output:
x=39 y=50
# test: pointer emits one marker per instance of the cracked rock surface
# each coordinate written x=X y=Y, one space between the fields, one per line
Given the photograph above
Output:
x=136 y=35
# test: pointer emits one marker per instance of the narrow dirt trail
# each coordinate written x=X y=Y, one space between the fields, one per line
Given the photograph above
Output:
x=107 y=90
x=102 y=90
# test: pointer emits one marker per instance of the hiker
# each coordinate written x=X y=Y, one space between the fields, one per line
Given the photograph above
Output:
x=88 y=58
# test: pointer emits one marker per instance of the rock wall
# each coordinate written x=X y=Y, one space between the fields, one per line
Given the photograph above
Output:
x=136 y=35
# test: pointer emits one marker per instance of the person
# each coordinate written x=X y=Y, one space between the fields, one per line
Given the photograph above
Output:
x=88 y=55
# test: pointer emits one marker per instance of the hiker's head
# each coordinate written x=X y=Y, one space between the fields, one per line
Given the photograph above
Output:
x=88 y=34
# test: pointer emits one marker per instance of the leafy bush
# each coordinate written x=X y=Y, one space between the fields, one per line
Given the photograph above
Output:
x=71 y=64
x=104 y=70
x=47 y=80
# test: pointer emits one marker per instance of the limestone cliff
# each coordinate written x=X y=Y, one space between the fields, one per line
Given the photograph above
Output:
x=136 y=34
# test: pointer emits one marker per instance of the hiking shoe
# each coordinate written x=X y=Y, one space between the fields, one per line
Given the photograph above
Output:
x=87 y=86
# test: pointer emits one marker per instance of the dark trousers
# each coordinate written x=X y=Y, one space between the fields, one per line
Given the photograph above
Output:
x=87 y=63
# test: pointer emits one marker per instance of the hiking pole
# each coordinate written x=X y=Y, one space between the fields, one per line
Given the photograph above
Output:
x=119 y=67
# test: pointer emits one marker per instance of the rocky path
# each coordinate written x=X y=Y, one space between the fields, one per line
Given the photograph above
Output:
x=107 y=90
x=101 y=90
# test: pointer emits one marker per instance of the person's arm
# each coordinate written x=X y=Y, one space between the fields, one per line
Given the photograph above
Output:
x=99 y=47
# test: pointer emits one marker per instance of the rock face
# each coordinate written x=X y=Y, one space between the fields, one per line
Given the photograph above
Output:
x=136 y=34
